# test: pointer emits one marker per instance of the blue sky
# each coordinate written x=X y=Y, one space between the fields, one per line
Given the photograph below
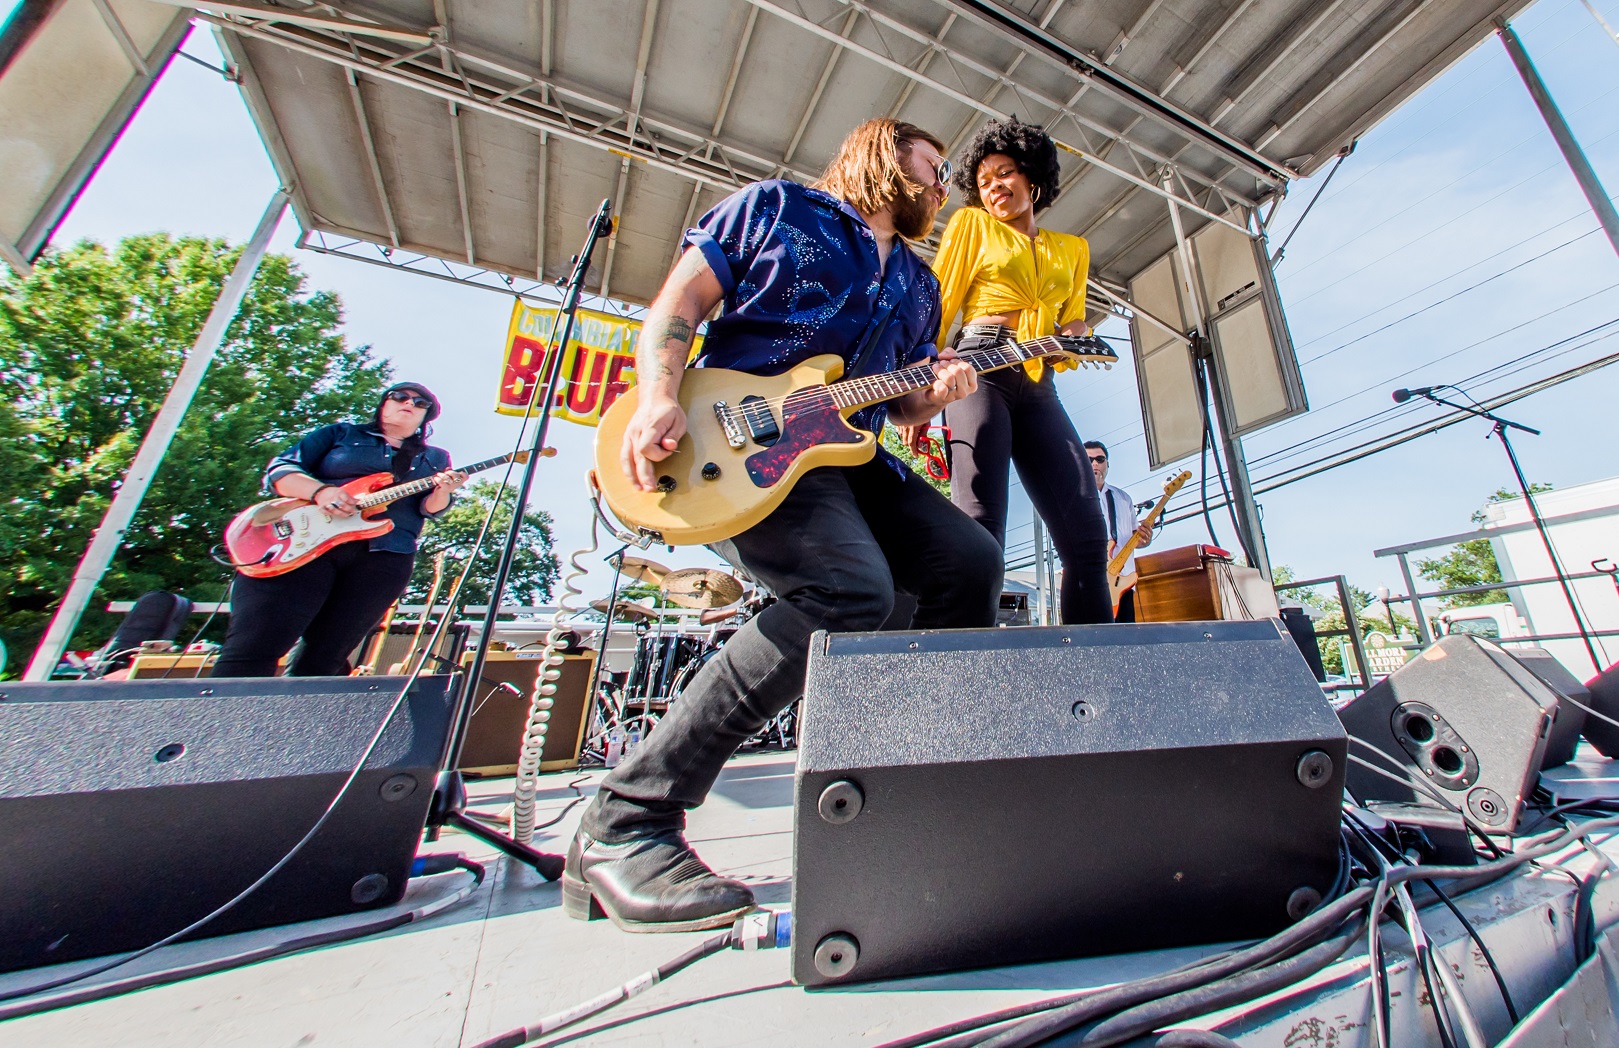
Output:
x=1461 y=187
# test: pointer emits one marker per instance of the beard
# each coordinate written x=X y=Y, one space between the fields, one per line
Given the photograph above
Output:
x=913 y=213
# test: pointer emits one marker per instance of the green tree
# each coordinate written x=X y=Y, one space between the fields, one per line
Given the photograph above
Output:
x=918 y=464
x=534 y=566
x=89 y=346
x=1472 y=563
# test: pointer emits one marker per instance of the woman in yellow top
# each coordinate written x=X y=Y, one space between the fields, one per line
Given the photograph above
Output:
x=1011 y=280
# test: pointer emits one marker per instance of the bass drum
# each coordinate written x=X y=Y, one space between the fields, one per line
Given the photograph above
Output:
x=660 y=662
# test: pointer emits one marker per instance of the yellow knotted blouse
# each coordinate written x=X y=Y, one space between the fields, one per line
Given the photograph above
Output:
x=985 y=267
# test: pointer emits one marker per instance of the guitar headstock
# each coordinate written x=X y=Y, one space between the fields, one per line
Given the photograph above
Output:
x=1082 y=351
x=1175 y=483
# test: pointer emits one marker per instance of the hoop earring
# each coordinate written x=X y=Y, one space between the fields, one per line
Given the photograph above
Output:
x=1035 y=196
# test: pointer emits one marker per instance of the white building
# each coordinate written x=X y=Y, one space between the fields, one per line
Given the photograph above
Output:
x=1583 y=523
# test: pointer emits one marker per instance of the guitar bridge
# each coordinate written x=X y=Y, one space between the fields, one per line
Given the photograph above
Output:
x=733 y=432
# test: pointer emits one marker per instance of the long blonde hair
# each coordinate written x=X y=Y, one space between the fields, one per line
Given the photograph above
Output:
x=869 y=168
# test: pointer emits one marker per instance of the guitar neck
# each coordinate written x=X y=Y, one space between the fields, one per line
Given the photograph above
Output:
x=1122 y=557
x=382 y=496
x=874 y=389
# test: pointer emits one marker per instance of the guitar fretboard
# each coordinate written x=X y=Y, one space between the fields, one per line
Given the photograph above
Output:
x=383 y=496
x=874 y=389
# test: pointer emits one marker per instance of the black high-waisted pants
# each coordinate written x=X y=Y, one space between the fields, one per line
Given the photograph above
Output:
x=1013 y=420
x=332 y=602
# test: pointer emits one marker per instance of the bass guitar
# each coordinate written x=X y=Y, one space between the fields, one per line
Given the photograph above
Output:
x=750 y=437
x=274 y=537
x=1117 y=583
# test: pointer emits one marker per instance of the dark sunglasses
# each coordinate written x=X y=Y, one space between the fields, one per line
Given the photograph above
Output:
x=1097 y=458
x=399 y=396
x=943 y=172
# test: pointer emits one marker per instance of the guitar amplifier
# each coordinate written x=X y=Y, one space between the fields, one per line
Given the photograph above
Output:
x=170 y=666
x=1198 y=583
x=495 y=732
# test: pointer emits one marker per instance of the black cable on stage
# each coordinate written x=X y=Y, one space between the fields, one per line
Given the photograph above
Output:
x=1226 y=993
x=496 y=820
x=756 y=931
x=1484 y=951
x=1376 y=843
x=427 y=866
x=1194 y=1039
x=1094 y=1004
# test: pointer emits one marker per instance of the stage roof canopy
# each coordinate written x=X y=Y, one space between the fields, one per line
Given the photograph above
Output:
x=484 y=134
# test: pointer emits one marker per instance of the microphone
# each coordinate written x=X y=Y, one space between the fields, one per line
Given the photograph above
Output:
x=1403 y=395
x=604 y=218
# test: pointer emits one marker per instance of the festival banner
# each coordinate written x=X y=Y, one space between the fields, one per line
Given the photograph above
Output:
x=598 y=363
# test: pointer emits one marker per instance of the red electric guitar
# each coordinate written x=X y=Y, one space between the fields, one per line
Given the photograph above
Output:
x=274 y=537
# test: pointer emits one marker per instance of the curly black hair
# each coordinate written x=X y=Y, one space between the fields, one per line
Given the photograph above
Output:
x=1029 y=147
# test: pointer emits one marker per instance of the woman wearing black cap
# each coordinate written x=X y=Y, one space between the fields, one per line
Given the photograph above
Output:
x=334 y=601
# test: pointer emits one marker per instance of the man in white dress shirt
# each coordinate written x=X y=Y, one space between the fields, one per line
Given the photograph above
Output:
x=1120 y=511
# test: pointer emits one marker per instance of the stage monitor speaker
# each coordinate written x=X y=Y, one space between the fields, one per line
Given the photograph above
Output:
x=499 y=718
x=1463 y=725
x=1601 y=730
x=968 y=798
x=1572 y=699
x=133 y=808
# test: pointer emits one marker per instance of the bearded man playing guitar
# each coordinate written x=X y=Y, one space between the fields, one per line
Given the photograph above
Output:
x=801 y=271
x=334 y=600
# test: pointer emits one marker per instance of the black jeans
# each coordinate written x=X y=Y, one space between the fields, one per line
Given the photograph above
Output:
x=832 y=553
x=1013 y=420
x=332 y=602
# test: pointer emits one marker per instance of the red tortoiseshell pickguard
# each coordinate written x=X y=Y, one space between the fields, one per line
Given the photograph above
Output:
x=800 y=431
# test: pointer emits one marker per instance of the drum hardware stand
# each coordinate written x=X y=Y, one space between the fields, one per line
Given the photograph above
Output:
x=1500 y=428
x=616 y=559
x=450 y=793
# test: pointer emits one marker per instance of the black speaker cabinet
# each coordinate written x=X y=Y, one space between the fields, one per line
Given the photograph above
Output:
x=968 y=798
x=1466 y=719
x=1572 y=699
x=133 y=808
x=1600 y=727
x=499 y=718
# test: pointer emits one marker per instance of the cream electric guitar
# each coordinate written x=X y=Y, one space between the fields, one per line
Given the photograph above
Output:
x=749 y=437
x=1117 y=583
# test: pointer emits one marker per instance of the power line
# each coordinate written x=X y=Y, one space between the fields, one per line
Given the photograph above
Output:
x=1453 y=295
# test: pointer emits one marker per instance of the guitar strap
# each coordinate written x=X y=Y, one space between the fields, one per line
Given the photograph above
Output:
x=869 y=338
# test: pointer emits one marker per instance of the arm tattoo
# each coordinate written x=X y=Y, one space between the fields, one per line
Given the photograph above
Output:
x=674 y=329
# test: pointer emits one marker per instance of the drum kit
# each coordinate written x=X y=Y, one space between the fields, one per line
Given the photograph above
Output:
x=672 y=646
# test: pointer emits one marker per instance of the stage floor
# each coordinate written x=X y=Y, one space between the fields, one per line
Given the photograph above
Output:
x=507 y=956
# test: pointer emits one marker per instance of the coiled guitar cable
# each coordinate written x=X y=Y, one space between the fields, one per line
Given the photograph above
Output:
x=525 y=785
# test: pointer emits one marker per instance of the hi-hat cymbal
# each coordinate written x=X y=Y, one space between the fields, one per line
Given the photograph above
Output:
x=625 y=609
x=701 y=588
x=639 y=568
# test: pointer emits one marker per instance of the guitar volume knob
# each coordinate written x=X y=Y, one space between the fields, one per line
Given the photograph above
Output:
x=666 y=483
x=711 y=471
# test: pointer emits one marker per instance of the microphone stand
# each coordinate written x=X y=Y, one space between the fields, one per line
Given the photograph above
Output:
x=1500 y=428
x=450 y=793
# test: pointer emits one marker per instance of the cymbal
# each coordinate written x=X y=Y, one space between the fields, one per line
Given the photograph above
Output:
x=701 y=588
x=625 y=609
x=639 y=568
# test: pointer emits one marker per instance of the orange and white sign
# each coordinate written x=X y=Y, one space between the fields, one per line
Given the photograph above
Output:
x=598 y=363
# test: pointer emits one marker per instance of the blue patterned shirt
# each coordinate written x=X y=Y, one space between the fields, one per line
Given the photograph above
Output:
x=800 y=273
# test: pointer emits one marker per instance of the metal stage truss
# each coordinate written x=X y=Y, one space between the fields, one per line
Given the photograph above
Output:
x=484 y=134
